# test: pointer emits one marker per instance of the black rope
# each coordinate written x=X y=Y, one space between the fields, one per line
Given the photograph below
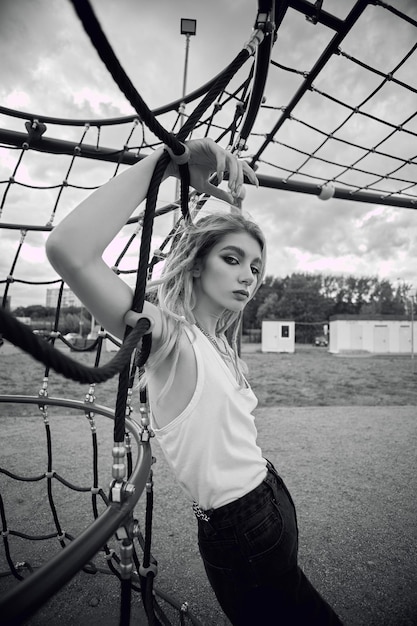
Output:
x=210 y=97
x=30 y=479
x=5 y=535
x=121 y=404
x=148 y=218
x=54 y=535
x=125 y=601
x=56 y=321
x=93 y=29
x=49 y=478
x=139 y=296
x=22 y=337
x=105 y=51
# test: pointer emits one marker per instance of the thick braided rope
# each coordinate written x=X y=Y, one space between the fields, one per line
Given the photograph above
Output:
x=139 y=295
x=22 y=337
x=215 y=90
x=147 y=227
x=99 y=40
x=104 y=50
x=121 y=402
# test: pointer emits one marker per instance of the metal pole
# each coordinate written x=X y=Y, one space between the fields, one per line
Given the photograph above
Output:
x=412 y=333
x=182 y=116
x=187 y=48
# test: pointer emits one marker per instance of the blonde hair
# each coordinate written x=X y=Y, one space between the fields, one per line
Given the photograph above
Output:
x=175 y=289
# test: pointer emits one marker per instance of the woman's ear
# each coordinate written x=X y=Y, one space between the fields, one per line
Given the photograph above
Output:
x=196 y=270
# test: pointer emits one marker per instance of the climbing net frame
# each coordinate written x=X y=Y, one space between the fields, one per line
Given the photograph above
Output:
x=128 y=479
x=381 y=169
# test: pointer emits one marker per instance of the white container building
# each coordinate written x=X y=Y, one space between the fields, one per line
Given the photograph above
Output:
x=278 y=336
x=382 y=334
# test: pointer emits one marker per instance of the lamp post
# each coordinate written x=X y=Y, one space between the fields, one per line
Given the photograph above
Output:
x=412 y=333
x=188 y=28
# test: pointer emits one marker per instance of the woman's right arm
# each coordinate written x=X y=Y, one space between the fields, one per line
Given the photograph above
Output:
x=75 y=247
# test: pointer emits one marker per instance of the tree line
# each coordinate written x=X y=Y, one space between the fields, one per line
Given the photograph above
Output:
x=308 y=299
x=71 y=319
x=311 y=299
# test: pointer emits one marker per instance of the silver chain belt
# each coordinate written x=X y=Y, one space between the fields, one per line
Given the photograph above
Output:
x=199 y=513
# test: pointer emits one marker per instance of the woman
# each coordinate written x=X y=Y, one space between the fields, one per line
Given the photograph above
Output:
x=201 y=402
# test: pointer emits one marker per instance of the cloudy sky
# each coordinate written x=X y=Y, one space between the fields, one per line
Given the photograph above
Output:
x=50 y=68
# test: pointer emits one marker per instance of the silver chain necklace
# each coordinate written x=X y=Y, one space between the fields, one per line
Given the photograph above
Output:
x=223 y=353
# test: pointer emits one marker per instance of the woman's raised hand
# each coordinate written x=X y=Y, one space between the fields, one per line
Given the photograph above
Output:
x=207 y=158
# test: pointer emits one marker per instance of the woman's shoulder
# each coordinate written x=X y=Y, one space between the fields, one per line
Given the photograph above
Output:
x=168 y=329
x=172 y=372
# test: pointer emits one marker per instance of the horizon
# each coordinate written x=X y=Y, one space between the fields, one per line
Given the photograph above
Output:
x=55 y=71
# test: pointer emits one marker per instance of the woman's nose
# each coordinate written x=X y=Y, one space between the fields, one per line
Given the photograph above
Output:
x=247 y=278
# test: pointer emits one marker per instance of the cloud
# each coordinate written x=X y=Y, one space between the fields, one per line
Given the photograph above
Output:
x=305 y=234
x=50 y=67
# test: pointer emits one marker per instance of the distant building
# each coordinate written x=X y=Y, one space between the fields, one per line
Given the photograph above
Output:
x=278 y=336
x=68 y=298
x=381 y=334
x=24 y=320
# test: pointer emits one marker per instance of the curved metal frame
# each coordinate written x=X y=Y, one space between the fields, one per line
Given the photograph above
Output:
x=35 y=590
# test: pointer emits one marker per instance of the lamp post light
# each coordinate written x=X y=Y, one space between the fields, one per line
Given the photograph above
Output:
x=188 y=28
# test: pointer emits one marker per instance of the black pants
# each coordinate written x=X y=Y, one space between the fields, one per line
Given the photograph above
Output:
x=249 y=548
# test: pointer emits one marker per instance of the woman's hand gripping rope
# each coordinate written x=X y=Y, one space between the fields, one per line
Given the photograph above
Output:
x=205 y=158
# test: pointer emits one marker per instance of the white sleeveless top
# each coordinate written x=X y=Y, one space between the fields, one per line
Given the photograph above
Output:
x=211 y=446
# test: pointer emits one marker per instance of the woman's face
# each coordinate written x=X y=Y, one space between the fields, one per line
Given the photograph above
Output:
x=227 y=277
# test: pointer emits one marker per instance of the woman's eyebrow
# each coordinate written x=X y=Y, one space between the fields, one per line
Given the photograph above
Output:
x=240 y=252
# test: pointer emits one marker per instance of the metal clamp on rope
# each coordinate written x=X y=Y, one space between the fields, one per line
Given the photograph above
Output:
x=120 y=490
x=151 y=569
x=265 y=21
x=35 y=129
x=256 y=39
x=179 y=159
x=126 y=563
x=132 y=318
x=327 y=191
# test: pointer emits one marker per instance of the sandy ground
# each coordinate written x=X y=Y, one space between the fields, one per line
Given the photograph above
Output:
x=352 y=474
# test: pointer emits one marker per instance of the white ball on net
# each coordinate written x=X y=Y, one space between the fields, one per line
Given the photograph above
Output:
x=327 y=191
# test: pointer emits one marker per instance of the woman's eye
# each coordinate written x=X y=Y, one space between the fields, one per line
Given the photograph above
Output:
x=230 y=260
x=255 y=270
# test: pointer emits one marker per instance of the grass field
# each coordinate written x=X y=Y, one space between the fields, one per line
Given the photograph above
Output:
x=341 y=431
x=314 y=377
x=309 y=377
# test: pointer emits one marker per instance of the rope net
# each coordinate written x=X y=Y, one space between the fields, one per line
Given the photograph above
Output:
x=368 y=156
